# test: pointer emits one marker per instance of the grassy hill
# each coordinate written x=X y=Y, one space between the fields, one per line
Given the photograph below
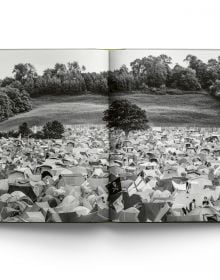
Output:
x=162 y=110
x=68 y=109
x=178 y=110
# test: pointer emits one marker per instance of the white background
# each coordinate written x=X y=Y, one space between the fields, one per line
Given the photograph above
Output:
x=140 y=251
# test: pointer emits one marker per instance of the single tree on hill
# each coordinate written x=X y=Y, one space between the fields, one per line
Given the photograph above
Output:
x=126 y=116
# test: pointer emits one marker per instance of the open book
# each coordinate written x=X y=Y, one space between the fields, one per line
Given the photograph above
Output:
x=109 y=135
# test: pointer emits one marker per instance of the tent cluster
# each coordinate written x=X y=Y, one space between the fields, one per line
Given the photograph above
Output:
x=165 y=175
x=55 y=180
x=158 y=175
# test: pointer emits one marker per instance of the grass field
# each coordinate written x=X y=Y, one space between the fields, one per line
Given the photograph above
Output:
x=178 y=110
x=68 y=109
x=162 y=110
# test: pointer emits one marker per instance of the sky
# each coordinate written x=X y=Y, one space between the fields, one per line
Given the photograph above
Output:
x=120 y=57
x=93 y=60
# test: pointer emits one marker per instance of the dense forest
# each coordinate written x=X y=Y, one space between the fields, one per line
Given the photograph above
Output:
x=148 y=74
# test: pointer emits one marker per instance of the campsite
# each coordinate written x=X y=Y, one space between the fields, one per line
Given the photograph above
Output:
x=135 y=143
x=164 y=174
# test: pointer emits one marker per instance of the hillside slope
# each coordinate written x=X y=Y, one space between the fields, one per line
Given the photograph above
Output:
x=162 y=110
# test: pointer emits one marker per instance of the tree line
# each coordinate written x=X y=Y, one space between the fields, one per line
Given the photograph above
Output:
x=62 y=79
x=152 y=72
x=156 y=72
x=146 y=72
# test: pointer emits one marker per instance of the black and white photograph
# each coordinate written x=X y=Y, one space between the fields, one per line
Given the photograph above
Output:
x=102 y=136
x=109 y=139
x=54 y=145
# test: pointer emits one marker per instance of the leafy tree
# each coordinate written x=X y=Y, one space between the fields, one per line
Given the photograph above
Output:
x=95 y=82
x=74 y=67
x=49 y=73
x=60 y=71
x=184 y=78
x=13 y=101
x=19 y=100
x=151 y=70
x=193 y=61
x=7 y=81
x=167 y=60
x=5 y=106
x=206 y=73
x=121 y=80
x=126 y=116
x=123 y=69
x=22 y=72
x=215 y=88
x=53 y=130
x=24 y=130
x=18 y=85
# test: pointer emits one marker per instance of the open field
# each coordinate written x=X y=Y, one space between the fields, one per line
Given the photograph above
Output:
x=68 y=110
x=177 y=110
x=162 y=110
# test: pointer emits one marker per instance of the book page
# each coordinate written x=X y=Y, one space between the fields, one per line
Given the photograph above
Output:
x=165 y=135
x=54 y=145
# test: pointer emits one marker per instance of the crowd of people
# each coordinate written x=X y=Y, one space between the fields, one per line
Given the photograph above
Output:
x=157 y=175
